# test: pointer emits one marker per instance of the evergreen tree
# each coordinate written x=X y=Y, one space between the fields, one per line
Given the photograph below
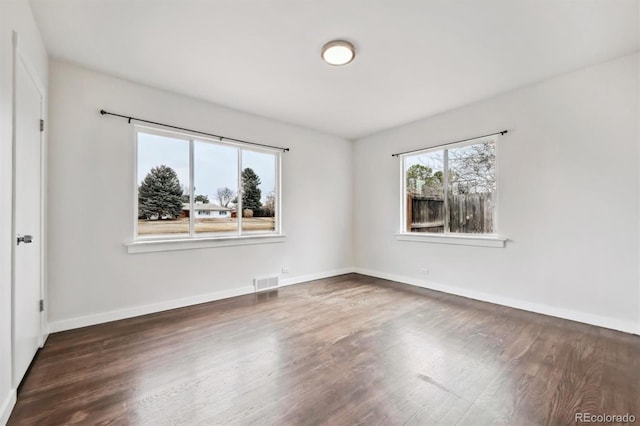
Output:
x=251 y=193
x=201 y=199
x=419 y=172
x=422 y=181
x=160 y=194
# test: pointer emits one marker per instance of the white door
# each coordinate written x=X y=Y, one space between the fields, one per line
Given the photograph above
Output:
x=27 y=221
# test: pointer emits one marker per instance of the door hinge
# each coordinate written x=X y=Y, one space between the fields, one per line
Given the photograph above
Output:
x=42 y=125
x=41 y=305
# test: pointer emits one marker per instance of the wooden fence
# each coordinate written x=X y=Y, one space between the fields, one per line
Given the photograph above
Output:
x=468 y=213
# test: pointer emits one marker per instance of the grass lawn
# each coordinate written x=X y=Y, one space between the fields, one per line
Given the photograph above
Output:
x=181 y=226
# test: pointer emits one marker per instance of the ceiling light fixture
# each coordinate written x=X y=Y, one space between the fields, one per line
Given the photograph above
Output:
x=338 y=52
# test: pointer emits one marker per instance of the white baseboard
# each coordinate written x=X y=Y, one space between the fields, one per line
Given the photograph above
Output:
x=78 y=322
x=601 y=321
x=597 y=320
x=312 y=277
x=7 y=406
x=43 y=337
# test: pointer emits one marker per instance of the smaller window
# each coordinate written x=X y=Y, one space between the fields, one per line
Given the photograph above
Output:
x=451 y=190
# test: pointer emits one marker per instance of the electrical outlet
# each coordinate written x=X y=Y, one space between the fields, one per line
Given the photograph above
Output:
x=424 y=270
x=285 y=269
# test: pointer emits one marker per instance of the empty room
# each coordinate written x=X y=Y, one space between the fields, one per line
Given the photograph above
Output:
x=337 y=212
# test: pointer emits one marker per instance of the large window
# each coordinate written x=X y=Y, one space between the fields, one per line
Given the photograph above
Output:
x=451 y=190
x=191 y=187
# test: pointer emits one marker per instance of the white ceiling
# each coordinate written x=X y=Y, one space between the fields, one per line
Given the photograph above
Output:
x=414 y=58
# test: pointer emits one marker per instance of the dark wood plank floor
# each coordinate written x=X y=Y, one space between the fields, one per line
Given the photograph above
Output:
x=345 y=350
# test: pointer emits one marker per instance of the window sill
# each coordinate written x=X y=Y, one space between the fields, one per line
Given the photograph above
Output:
x=464 y=240
x=149 y=246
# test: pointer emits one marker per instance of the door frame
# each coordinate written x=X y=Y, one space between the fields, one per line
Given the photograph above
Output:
x=18 y=55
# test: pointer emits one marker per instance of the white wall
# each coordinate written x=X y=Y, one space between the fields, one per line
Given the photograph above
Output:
x=568 y=199
x=15 y=15
x=91 y=164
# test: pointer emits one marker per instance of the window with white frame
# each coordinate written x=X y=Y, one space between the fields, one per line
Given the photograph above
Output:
x=451 y=189
x=181 y=179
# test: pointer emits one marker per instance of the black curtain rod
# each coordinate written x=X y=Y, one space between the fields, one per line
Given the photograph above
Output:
x=103 y=112
x=449 y=143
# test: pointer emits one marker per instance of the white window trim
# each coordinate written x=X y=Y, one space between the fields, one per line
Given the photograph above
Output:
x=146 y=244
x=157 y=245
x=482 y=240
x=478 y=240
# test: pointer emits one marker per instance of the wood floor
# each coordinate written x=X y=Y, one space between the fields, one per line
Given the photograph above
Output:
x=340 y=351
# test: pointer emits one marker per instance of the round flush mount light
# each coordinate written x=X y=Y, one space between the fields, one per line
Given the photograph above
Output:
x=338 y=52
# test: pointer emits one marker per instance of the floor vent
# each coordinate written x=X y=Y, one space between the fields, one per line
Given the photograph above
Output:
x=263 y=284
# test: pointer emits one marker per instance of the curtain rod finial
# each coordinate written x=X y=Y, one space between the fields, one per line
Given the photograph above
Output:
x=102 y=112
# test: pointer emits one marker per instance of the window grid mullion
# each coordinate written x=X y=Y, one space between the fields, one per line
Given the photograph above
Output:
x=191 y=189
x=239 y=192
x=446 y=192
